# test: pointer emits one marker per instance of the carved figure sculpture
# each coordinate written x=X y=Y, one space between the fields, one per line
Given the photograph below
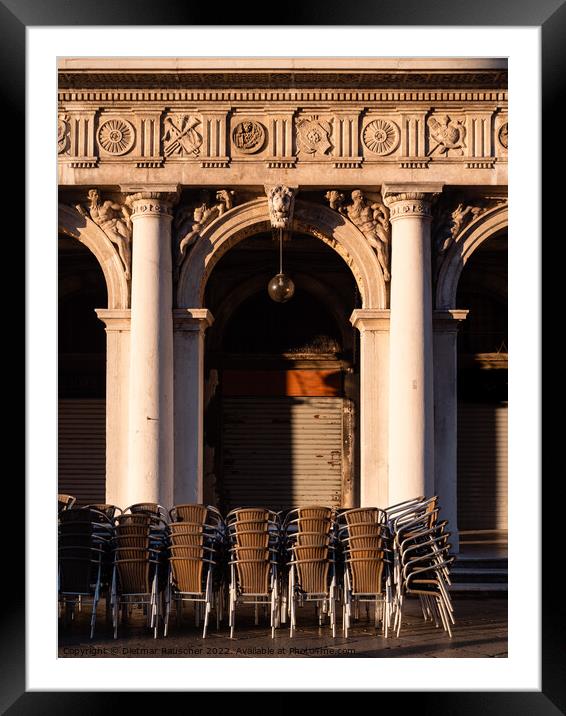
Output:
x=372 y=221
x=190 y=222
x=336 y=200
x=280 y=200
x=114 y=219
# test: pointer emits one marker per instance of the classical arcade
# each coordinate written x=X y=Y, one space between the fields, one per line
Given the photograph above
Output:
x=381 y=191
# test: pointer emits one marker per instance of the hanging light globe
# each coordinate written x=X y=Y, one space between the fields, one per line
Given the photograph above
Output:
x=280 y=288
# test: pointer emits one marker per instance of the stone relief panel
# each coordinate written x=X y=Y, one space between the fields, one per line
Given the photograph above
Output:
x=115 y=220
x=371 y=217
x=181 y=138
x=502 y=135
x=63 y=134
x=190 y=219
x=446 y=135
x=313 y=136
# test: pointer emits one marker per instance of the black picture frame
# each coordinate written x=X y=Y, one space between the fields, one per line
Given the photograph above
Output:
x=550 y=17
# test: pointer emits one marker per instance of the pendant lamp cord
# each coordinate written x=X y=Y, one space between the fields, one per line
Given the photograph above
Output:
x=280 y=250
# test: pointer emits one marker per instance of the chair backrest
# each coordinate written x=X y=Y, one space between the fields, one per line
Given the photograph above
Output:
x=189 y=513
x=366 y=572
x=254 y=574
x=107 y=509
x=187 y=572
x=135 y=575
x=65 y=502
x=312 y=572
x=151 y=508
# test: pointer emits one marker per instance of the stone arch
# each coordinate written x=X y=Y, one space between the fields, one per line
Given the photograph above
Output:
x=253 y=217
x=72 y=223
x=240 y=293
x=477 y=231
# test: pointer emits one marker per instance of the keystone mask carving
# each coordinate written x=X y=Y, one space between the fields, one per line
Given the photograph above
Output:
x=281 y=202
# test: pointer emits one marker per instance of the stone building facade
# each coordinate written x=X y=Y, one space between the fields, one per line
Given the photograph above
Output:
x=385 y=186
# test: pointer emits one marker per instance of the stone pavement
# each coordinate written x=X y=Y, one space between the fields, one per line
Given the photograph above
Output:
x=480 y=631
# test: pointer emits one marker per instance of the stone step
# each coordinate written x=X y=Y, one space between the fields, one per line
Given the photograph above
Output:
x=478 y=587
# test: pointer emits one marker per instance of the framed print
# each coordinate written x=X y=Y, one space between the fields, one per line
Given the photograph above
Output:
x=191 y=137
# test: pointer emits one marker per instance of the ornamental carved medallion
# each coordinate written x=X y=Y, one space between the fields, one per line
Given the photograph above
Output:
x=116 y=136
x=248 y=136
x=503 y=132
x=62 y=134
x=313 y=136
x=381 y=136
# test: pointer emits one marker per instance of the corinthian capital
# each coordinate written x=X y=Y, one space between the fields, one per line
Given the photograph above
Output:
x=405 y=200
x=151 y=200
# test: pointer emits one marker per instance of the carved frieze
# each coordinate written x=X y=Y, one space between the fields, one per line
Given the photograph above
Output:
x=116 y=136
x=381 y=136
x=313 y=136
x=350 y=138
x=180 y=136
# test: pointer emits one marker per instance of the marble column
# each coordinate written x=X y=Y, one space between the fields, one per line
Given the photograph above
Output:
x=373 y=325
x=117 y=324
x=190 y=325
x=446 y=325
x=150 y=445
x=411 y=409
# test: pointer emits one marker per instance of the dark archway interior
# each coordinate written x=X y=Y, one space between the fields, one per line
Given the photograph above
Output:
x=275 y=372
x=482 y=393
x=82 y=374
x=302 y=325
x=81 y=335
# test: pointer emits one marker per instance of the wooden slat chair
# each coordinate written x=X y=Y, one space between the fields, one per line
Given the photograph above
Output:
x=254 y=545
x=195 y=553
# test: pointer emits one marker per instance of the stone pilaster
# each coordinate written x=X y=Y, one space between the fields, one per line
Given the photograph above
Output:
x=373 y=325
x=189 y=326
x=446 y=324
x=117 y=324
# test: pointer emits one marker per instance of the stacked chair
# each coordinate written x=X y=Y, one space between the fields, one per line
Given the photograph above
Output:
x=195 y=548
x=139 y=566
x=109 y=510
x=65 y=502
x=422 y=559
x=309 y=552
x=254 y=544
x=84 y=548
x=367 y=560
x=151 y=508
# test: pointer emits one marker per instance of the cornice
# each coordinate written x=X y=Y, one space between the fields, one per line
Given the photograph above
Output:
x=292 y=80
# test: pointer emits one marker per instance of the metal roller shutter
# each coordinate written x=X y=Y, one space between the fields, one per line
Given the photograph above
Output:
x=482 y=466
x=82 y=449
x=282 y=452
